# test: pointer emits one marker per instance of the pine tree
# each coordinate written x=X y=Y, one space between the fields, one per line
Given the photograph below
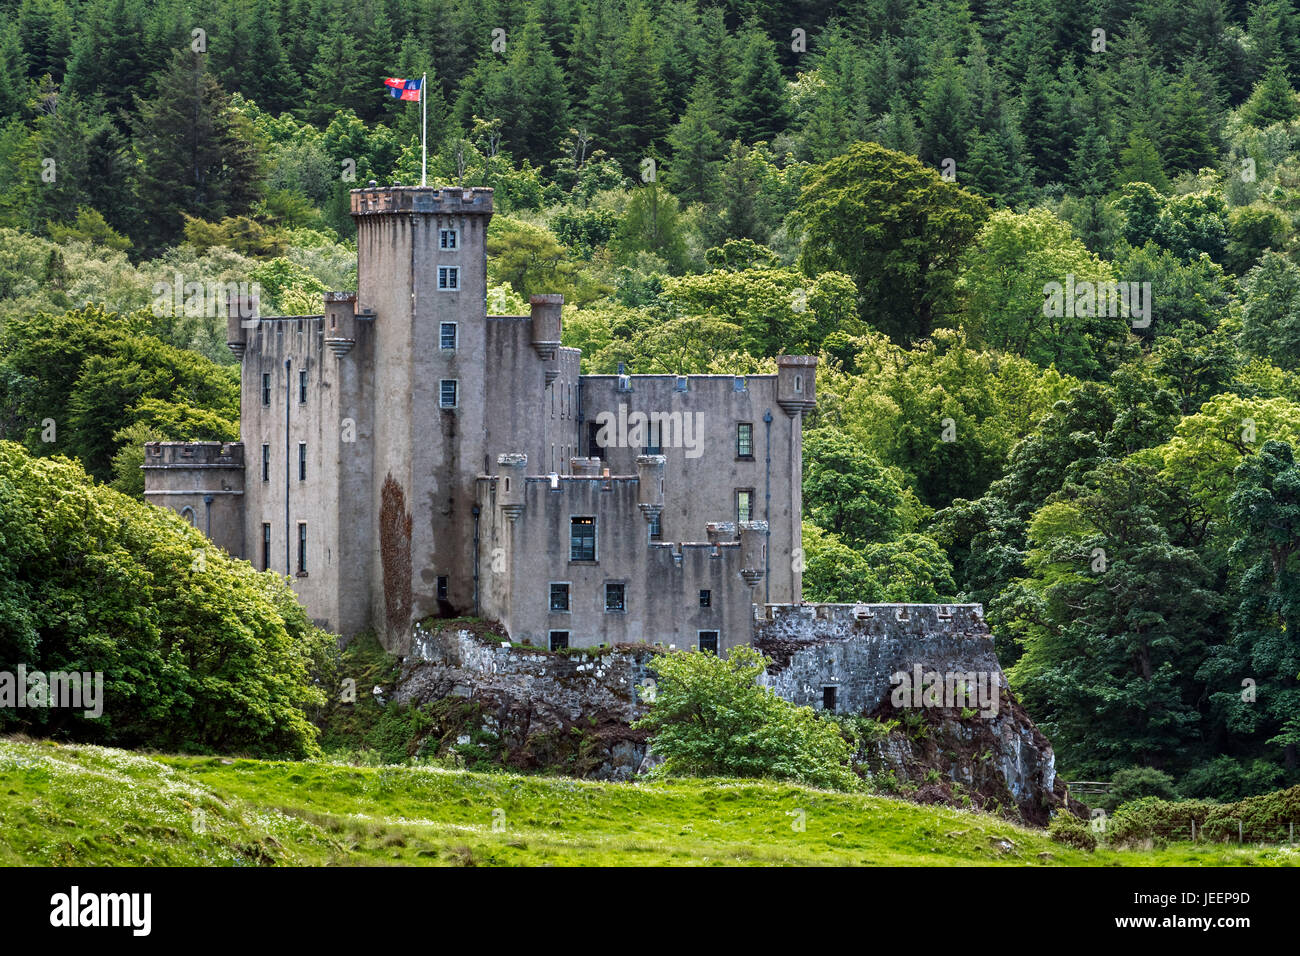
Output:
x=1038 y=99
x=194 y=155
x=338 y=80
x=538 y=112
x=642 y=113
x=897 y=128
x=945 y=114
x=697 y=149
x=760 y=107
x=67 y=135
x=1187 y=141
x=110 y=59
x=1273 y=100
x=13 y=75
x=1139 y=162
x=45 y=27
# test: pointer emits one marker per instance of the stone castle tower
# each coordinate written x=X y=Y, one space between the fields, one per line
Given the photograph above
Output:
x=406 y=455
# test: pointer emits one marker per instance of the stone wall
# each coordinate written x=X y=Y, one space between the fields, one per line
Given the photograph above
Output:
x=995 y=754
x=528 y=694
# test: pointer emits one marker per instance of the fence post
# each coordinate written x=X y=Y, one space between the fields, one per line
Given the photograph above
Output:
x=1240 y=837
x=1193 y=831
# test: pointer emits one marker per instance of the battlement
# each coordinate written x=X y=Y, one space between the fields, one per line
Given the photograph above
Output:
x=447 y=200
x=193 y=454
x=787 y=616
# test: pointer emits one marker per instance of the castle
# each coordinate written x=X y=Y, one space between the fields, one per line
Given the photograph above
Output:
x=405 y=455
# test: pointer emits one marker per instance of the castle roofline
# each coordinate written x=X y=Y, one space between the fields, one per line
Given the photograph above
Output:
x=675 y=376
x=381 y=200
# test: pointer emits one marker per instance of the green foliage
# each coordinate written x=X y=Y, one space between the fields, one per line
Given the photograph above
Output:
x=91 y=373
x=197 y=650
x=1069 y=830
x=896 y=228
x=1133 y=783
x=711 y=718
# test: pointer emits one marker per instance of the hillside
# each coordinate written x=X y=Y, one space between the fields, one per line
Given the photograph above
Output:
x=84 y=805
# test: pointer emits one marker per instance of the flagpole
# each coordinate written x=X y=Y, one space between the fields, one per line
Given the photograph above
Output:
x=424 y=130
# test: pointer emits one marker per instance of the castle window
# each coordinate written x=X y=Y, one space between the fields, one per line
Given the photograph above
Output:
x=798 y=387
x=828 y=699
x=656 y=528
x=266 y=547
x=615 y=596
x=188 y=514
x=745 y=440
x=708 y=641
x=266 y=388
x=447 y=393
x=739 y=383
x=447 y=238
x=266 y=462
x=442 y=587
x=706 y=598
x=302 y=547
x=448 y=278
x=655 y=434
x=680 y=385
x=582 y=539
x=559 y=596
x=594 y=448
x=302 y=461
x=302 y=386
x=559 y=640
x=447 y=335
x=745 y=504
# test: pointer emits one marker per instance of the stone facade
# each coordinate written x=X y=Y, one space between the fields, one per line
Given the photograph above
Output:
x=406 y=456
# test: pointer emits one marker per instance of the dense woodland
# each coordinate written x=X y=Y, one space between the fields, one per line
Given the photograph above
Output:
x=890 y=184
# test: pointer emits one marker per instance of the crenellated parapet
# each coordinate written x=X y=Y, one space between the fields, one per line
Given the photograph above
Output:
x=396 y=200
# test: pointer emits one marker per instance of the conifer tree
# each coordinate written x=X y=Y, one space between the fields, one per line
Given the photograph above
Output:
x=193 y=154
x=1273 y=100
x=697 y=149
x=760 y=106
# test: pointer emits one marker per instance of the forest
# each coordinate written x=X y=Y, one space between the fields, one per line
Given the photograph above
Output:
x=1046 y=250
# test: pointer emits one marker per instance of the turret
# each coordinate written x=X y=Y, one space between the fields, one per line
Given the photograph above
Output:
x=241 y=315
x=340 y=321
x=650 y=480
x=546 y=310
x=753 y=551
x=796 y=390
x=511 y=469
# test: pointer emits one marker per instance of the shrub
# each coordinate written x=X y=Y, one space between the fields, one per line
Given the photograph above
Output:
x=1150 y=818
x=1069 y=830
x=197 y=650
x=1265 y=818
x=1133 y=783
x=711 y=719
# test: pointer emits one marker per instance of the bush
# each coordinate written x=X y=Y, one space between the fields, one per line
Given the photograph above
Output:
x=1069 y=830
x=197 y=650
x=1226 y=778
x=1265 y=819
x=1150 y=818
x=1133 y=783
x=711 y=719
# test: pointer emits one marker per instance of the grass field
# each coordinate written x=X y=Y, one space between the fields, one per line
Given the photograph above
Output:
x=94 y=806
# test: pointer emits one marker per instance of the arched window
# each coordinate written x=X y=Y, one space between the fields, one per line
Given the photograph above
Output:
x=798 y=383
x=188 y=514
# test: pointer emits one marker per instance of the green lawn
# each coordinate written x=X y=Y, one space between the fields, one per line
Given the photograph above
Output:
x=82 y=805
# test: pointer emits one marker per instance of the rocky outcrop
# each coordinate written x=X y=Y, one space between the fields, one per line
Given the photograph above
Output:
x=931 y=669
x=565 y=711
x=957 y=734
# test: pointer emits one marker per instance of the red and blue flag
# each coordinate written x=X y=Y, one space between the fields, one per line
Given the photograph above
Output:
x=404 y=89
